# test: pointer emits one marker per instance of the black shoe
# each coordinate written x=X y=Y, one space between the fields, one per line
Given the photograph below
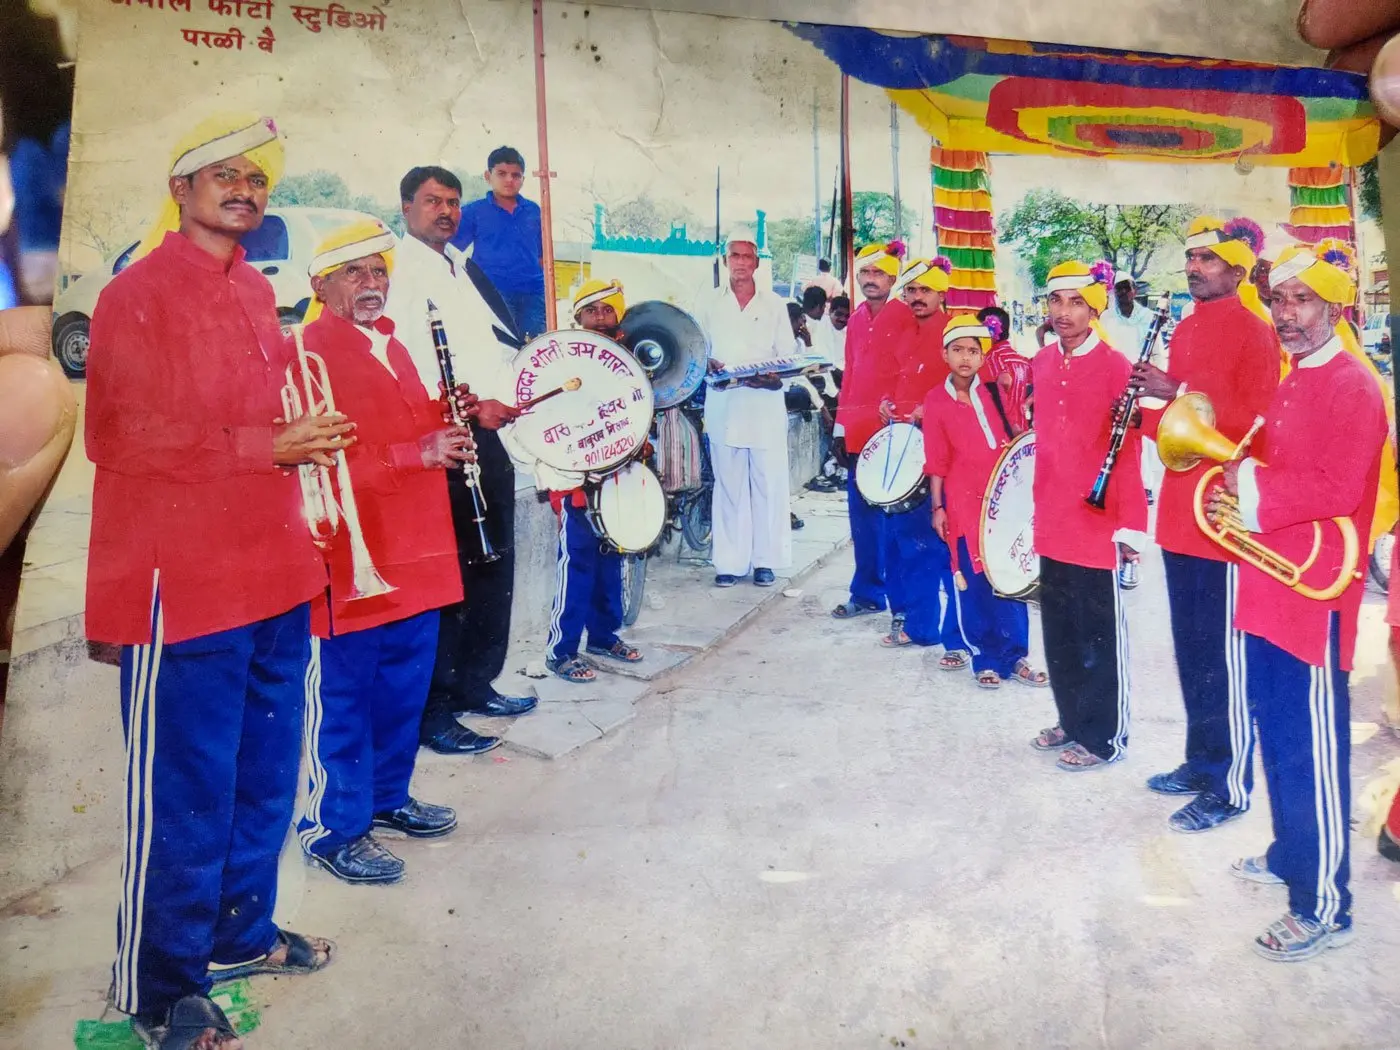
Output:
x=795 y=521
x=418 y=820
x=764 y=578
x=498 y=706
x=1387 y=847
x=457 y=739
x=1180 y=781
x=363 y=861
x=1202 y=813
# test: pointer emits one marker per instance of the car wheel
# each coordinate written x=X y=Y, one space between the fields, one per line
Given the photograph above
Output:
x=70 y=344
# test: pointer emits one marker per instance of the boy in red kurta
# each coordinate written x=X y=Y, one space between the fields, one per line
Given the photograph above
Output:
x=875 y=344
x=1079 y=381
x=374 y=648
x=1324 y=433
x=1226 y=352
x=966 y=427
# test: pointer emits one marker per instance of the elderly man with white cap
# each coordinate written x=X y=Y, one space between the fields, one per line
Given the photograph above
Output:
x=202 y=570
x=372 y=654
x=746 y=421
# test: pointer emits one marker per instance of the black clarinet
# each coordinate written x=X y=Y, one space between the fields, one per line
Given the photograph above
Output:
x=1125 y=406
x=483 y=551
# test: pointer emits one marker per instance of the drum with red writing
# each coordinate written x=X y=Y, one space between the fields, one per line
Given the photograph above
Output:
x=594 y=402
x=1008 y=519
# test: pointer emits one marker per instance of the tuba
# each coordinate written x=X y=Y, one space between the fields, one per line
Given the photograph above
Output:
x=1186 y=435
x=323 y=511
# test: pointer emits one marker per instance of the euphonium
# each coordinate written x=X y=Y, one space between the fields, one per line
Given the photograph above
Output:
x=1185 y=436
x=324 y=512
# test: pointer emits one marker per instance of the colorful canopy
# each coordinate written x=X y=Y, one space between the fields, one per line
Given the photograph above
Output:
x=1002 y=96
x=962 y=220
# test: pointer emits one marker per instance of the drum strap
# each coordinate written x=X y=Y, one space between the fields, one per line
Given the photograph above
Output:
x=506 y=331
x=1001 y=410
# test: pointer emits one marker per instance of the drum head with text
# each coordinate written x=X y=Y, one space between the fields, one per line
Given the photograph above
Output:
x=592 y=428
x=629 y=508
x=891 y=465
x=1008 y=522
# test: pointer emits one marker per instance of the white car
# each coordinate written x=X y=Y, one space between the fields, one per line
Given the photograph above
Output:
x=281 y=248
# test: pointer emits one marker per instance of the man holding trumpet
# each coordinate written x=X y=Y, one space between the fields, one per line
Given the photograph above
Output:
x=202 y=569
x=393 y=565
x=1325 y=429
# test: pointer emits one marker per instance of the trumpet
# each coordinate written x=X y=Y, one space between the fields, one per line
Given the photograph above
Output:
x=1186 y=435
x=324 y=512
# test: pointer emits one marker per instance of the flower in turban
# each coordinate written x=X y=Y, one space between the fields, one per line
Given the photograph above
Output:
x=967 y=326
x=216 y=138
x=1091 y=282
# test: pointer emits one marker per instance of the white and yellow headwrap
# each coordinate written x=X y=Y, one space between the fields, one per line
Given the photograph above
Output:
x=926 y=273
x=1325 y=269
x=880 y=257
x=1088 y=281
x=1238 y=243
x=967 y=326
x=597 y=291
x=213 y=139
x=345 y=244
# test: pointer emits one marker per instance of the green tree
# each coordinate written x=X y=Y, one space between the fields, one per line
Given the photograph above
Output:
x=787 y=239
x=1368 y=189
x=326 y=189
x=646 y=216
x=1047 y=228
x=872 y=216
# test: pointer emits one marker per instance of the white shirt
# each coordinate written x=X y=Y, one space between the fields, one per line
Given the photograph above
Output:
x=1125 y=334
x=738 y=416
x=379 y=347
x=479 y=359
x=835 y=342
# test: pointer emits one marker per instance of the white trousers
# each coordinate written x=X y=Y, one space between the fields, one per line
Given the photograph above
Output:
x=750 y=513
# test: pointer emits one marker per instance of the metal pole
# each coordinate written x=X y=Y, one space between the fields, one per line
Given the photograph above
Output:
x=894 y=159
x=848 y=251
x=544 y=175
x=816 y=183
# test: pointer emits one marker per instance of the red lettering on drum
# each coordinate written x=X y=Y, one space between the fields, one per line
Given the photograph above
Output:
x=554 y=433
x=545 y=355
x=581 y=349
x=609 y=408
x=638 y=394
x=615 y=363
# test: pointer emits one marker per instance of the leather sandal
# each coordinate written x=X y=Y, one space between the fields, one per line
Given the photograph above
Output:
x=301 y=959
x=185 y=1024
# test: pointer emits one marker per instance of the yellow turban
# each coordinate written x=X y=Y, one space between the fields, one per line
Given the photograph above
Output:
x=216 y=138
x=596 y=291
x=1229 y=240
x=924 y=272
x=1324 y=269
x=880 y=257
x=967 y=326
x=345 y=244
x=1080 y=277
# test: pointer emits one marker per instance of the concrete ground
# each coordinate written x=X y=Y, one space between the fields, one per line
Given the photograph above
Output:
x=800 y=841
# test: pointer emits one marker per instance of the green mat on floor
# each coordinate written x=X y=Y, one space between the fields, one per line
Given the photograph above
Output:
x=235 y=998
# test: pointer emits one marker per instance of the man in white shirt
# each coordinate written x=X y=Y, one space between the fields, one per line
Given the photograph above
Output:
x=826 y=280
x=472 y=636
x=746 y=421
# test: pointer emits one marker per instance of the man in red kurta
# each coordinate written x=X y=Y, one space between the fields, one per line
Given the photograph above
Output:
x=1078 y=382
x=201 y=567
x=875 y=343
x=1323 y=435
x=918 y=568
x=966 y=427
x=393 y=565
x=1232 y=356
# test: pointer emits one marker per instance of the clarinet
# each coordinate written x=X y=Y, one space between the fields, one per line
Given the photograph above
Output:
x=483 y=552
x=1124 y=407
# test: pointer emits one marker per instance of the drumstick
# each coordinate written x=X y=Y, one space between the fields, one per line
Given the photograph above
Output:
x=531 y=402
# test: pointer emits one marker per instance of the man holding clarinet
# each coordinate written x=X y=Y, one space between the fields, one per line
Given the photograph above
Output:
x=1226 y=352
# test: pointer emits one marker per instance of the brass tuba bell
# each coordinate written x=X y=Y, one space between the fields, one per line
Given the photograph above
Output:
x=1186 y=435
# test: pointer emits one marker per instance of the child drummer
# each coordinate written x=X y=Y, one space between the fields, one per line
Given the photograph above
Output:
x=588 y=581
x=965 y=429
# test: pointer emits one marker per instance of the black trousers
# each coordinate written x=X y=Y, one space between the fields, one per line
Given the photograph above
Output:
x=473 y=634
x=1086 y=653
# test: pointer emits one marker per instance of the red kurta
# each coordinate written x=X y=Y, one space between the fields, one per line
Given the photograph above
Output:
x=404 y=513
x=184 y=380
x=875 y=345
x=1225 y=351
x=922 y=368
x=1074 y=399
x=1324 y=432
x=962 y=447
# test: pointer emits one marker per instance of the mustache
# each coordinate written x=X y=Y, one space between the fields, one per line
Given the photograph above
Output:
x=246 y=202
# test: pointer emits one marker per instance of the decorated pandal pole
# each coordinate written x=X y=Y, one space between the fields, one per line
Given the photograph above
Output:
x=977 y=97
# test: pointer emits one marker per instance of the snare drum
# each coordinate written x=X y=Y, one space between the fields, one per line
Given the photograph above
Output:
x=1006 y=531
x=589 y=430
x=890 y=472
x=627 y=509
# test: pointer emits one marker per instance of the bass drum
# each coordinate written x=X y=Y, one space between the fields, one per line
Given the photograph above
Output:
x=1008 y=519
x=890 y=471
x=627 y=509
x=599 y=406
